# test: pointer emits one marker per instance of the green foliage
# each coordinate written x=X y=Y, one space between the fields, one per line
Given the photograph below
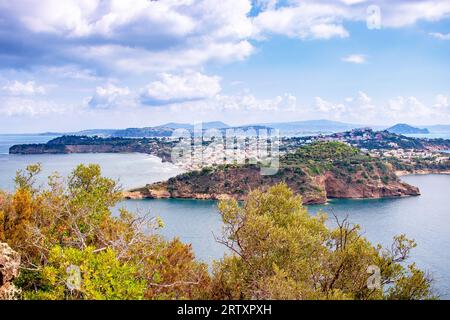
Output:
x=281 y=252
x=102 y=276
x=26 y=179
x=327 y=151
x=337 y=157
x=71 y=223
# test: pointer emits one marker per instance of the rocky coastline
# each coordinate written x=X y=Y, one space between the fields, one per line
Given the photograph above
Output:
x=402 y=173
x=313 y=189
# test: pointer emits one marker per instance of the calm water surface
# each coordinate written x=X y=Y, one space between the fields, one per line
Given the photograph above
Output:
x=131 y=170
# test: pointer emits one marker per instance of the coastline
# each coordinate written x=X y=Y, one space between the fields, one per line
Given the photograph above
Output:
x=160 y=191
x=402 y=173
x=137 y=195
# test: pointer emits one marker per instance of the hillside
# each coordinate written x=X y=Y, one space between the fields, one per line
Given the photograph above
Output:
x=321 y=171
x=402 y=128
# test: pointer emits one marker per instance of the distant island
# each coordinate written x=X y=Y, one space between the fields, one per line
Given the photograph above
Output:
x=403 y=128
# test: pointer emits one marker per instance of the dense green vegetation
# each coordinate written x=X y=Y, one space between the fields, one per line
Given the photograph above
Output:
x=70 y=223
x=73 y=247
x=325 y=151
x=416 y=164
x=343 y=160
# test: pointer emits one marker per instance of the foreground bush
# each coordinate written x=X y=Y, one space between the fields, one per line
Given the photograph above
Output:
x=72 y=247
x=281 y=252
x=70 y=224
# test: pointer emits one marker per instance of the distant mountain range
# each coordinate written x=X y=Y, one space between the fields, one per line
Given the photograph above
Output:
x=309 y=127
x=312 y=126
x=403 y=128
x=188 y=126
x=165 y=130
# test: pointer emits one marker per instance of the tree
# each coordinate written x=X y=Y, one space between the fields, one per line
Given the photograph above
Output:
x=279 y=251
x=71 y=223
x=86 y=274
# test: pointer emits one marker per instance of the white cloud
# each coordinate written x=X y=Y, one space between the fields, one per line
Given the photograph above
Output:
x=352 y=2
x=22 y=106
x=327 y=31
x=129 y=36
x=265 y=4
x=72 y=72
x=405 y=13
x=323 y=19
x=167 y=36
x=109 y=96
x=248 y=102
x=440 y=36
x=441 y=102
x=303 y=20
x=401 y=107
x=363 y=109
x=243 y=106
x=328 y=107
x=178 y=88
x=23 y=88
x=355 y=58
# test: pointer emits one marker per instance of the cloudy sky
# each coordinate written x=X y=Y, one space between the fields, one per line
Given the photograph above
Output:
x=78 y=64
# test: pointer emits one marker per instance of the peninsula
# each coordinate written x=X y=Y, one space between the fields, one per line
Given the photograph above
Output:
x=319 y=171
x=84 y=144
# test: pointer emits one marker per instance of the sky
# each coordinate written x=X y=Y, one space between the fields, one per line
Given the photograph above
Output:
x=69 y=65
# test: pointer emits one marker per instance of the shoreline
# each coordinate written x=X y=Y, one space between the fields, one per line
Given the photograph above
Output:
x=403 y=173
x=136 y=194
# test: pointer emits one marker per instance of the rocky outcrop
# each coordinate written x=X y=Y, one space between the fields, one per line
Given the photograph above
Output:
x=237 y=182
x=374 y=189
x=9 y=270
x=158 y=191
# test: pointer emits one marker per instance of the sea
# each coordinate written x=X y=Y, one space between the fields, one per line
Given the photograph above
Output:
x=444 y=135
x=426 y=218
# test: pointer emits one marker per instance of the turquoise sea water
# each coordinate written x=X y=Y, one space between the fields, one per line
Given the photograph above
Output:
x=430 y=135
x=132 y=170
x=7 y=140
x=425 y=218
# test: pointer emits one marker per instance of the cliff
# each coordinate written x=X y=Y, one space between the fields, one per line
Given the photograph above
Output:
x=318 y=172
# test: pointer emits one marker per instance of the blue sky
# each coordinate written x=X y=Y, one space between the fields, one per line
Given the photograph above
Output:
x=68 y=65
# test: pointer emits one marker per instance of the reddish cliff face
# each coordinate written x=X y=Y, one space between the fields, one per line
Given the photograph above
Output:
x=237 y=182
x=338 y=188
